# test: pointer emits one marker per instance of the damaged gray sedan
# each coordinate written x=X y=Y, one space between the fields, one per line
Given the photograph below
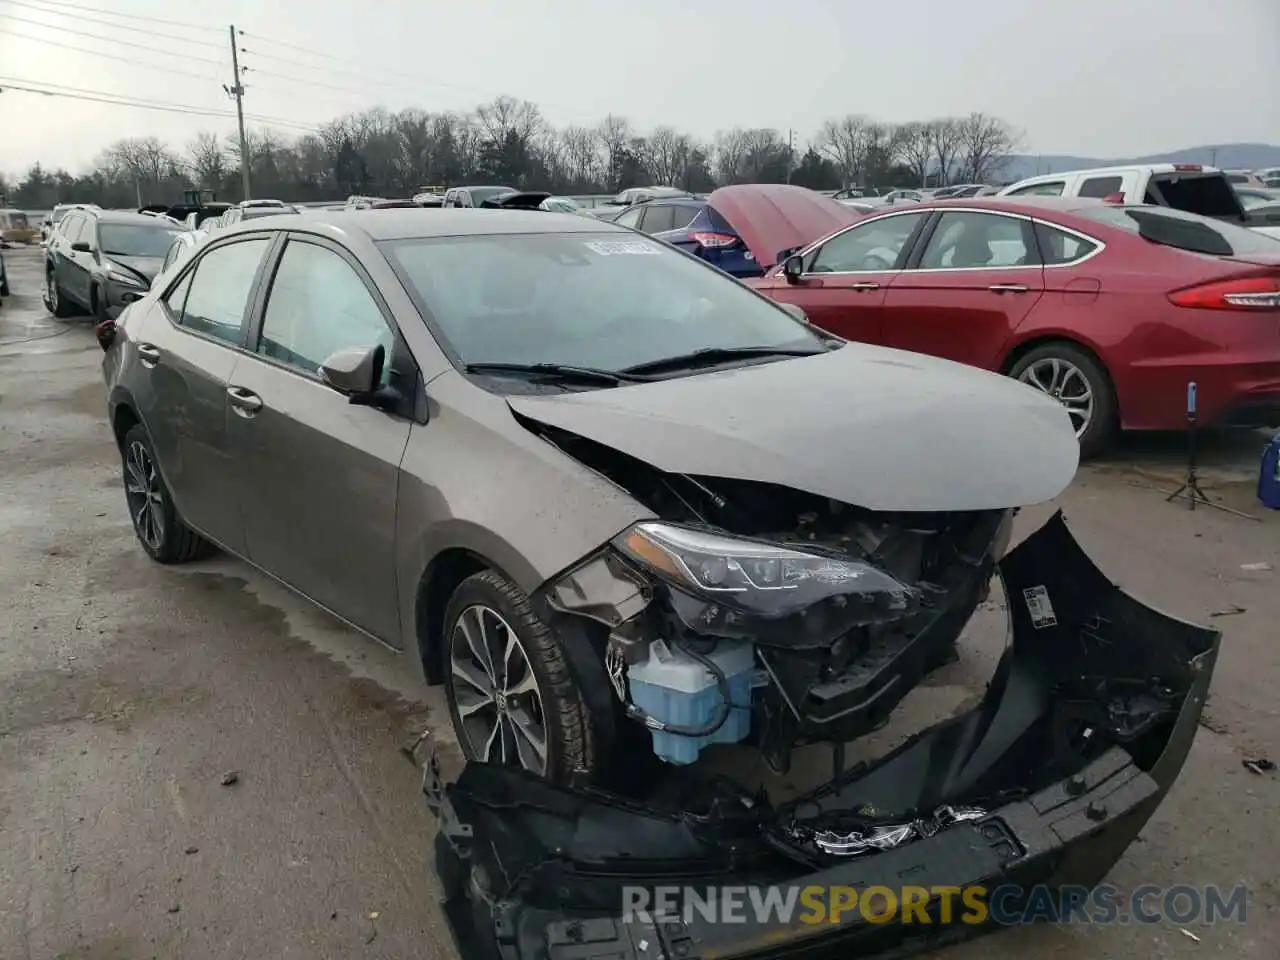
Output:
x=623 y=508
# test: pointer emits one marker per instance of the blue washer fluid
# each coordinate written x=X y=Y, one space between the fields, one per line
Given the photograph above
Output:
x=1269 y=475
x=673 y=687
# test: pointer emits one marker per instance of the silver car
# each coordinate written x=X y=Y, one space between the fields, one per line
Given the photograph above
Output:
x=584 y=480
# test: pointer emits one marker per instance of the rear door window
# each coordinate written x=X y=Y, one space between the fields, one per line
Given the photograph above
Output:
x=976 y=241
x=1100 y=187
x=658 y=219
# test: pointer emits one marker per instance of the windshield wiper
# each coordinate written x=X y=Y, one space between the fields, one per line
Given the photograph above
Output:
x=560 y=371
x=712 y=355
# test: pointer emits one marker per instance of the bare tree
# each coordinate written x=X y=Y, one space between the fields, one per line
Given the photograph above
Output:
x=207 y=160
x=944 y=137
x=666 y=155
x=615 y=134
x=985 y=143
x=915 y=149
x=506 y=116
x=581 y=152
x=731 y=147
x=844 y=143
x=764 y=157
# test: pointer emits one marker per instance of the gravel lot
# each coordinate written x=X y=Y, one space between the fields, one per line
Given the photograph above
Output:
x=128 y=691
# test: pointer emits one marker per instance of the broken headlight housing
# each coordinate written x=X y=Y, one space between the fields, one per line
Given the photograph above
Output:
x=757 y=578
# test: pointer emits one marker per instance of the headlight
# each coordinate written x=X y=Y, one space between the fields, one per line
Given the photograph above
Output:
x=757 y=577
x=125 y=278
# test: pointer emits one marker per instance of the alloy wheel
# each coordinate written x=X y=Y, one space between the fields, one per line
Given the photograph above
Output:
x=146 y=502
x=496 y=694
x=1066 y=383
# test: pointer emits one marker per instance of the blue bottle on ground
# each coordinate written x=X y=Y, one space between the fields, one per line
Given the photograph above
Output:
x=1269 y=475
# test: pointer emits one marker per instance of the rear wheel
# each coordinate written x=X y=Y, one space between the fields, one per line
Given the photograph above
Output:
x=156 y=522
x=512 y=696
x=54 y=301
x=1073 y=377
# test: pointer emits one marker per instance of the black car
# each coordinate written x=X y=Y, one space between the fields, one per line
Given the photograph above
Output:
x=100 y=261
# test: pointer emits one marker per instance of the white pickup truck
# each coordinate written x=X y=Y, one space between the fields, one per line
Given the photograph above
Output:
x=1183 y=186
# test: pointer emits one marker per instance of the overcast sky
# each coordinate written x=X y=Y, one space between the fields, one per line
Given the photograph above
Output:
x=1102 y=78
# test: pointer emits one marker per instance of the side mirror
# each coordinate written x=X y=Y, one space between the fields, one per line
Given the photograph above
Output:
x=793 y=268
x=796 y=312
x=82 y=246
x=355 y=371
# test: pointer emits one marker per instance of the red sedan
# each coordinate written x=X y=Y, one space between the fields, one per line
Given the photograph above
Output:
x=1111 y=309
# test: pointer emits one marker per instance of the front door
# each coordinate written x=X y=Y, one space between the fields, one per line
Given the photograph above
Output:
x=191 y=343
x=973 y=284
x=845 y=280
x=318 y=477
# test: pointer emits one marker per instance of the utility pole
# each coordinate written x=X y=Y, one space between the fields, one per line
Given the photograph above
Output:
x=237 y=90
x=791 y=157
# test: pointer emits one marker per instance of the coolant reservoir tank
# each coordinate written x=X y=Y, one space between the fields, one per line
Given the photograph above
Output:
x=673 y=687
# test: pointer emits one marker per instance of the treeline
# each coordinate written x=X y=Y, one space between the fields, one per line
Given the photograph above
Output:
x=508 y=141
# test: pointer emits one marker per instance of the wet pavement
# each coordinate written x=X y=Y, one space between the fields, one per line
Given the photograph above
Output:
x=129 y=692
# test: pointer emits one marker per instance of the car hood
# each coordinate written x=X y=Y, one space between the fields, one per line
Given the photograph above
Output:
x=869 y=426
x=774 y=217
x=145 y=268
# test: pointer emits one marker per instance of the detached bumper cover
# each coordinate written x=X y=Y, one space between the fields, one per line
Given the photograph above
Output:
x=1084 y=728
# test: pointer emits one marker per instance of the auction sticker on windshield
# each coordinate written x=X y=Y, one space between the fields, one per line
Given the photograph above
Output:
x=622 y=248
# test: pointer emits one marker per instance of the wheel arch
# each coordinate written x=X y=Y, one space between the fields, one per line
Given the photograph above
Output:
x=442 y=576
x=123 y=415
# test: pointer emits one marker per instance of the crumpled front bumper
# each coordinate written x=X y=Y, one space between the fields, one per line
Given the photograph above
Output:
x=1084 y=727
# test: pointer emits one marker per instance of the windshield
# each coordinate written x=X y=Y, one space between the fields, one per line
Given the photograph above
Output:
x=17 y=219
x=130 y=240
x=598 y=300
x=1185 y=231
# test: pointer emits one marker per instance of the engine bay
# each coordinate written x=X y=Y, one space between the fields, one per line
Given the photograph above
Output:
x=753 y=613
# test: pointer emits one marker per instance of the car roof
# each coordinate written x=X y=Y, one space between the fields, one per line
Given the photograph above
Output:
x=422 y=223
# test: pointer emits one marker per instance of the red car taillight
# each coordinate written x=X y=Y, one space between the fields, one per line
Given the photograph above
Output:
x=714 y=240
x=1250 y=293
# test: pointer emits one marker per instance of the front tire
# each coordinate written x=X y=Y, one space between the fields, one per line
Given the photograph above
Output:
x=156 y=522
x=1072 y=376
x=512 y=696
x=54 y=300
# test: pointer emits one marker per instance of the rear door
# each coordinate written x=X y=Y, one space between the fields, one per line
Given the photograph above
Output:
x=967 y=289
x=191 y=345
x=318 y=476
x=845 y=280
x=66 y=270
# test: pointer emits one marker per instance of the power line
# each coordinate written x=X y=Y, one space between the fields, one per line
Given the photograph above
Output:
x=63 y=45
x=183 y=24
x=418 y=80
x=117 y=42
x=302 y=81
x=102 y=96
x=360 y=75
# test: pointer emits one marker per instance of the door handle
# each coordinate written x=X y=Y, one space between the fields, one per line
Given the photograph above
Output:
x=244 y=402
x=148 y=354
x=1008 y=288
x=865 y=285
